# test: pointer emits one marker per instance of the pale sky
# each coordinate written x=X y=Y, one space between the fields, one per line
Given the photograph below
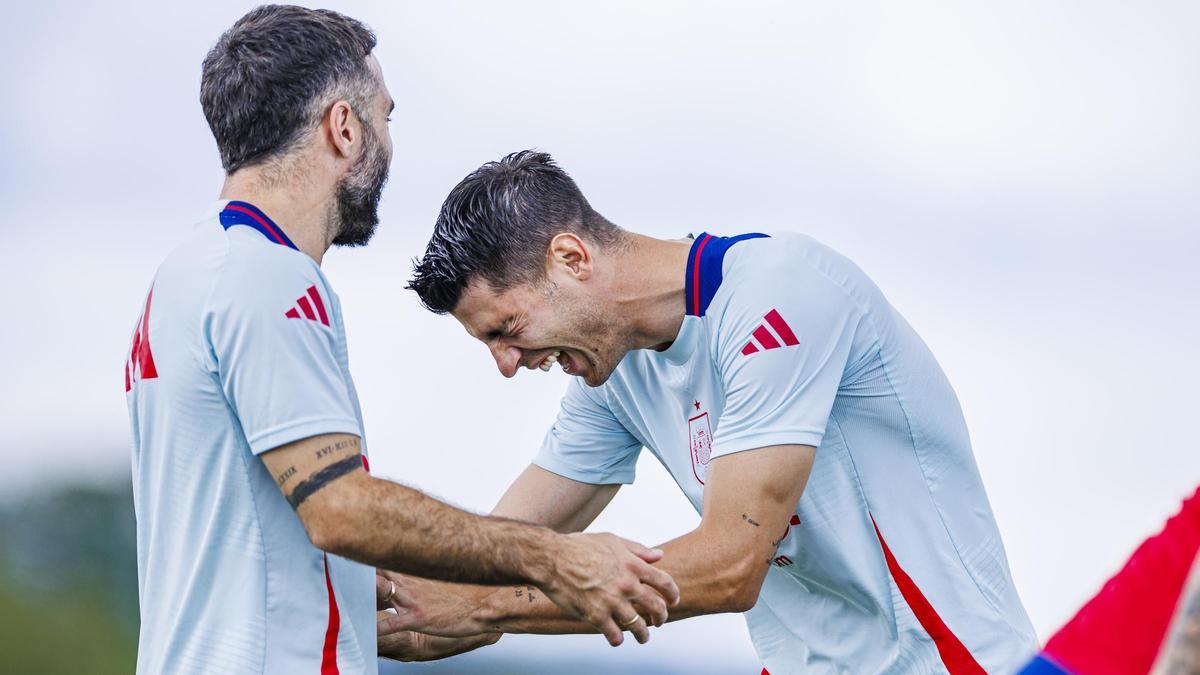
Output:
x=1019 y=179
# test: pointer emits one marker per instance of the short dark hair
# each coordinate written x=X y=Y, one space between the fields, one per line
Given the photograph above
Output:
x=266 y=80
x=497 y=224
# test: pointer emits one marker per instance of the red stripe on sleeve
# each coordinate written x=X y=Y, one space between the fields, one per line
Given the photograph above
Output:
x=781 y=327
x=749 y=349
x=306 y=308
x=765 y=338
x=954 y=654
x=316 y=298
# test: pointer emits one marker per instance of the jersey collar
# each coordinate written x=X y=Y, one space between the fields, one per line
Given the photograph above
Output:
x=704 y=269
x=245 y=213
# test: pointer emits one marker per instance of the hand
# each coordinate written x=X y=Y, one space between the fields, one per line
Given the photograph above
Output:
x=426 y=606
x=609 y=582
x=413 y=646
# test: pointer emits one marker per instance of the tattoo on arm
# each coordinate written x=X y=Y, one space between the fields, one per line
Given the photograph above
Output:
x=750 y=520
x=526 y=592
x=288 y=473
x=340 y=445
x=320 y=479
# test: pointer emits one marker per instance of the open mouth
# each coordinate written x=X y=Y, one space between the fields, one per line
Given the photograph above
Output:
x=562 y=358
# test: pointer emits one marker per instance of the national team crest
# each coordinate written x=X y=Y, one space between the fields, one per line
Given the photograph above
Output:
x=700 y=431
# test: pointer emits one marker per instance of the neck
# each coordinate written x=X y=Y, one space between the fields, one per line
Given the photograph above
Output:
x=302 y=209
x=650 y=289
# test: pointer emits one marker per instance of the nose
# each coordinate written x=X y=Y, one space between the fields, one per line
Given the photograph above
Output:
x=508 y=359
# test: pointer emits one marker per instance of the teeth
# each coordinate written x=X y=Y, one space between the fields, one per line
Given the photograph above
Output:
x=549 y=362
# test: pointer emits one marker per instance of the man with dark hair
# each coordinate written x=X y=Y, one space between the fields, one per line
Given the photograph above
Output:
x=258 y=524
x=805 y=420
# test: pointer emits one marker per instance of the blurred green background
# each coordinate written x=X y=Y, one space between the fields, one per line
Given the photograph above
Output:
x=68 y=597
x=68 y=581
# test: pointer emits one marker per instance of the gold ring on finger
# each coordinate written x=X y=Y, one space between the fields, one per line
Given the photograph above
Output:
x=627 y=624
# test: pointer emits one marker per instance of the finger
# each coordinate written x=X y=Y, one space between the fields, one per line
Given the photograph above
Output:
x=383 y=586
x=641 y=632
x=387 y=623
x=650 y=555
x=652 y=607
x=659 y=581
x=609 y=629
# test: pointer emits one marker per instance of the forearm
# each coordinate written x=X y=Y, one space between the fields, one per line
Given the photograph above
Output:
x=395 y=527
x=712 y=579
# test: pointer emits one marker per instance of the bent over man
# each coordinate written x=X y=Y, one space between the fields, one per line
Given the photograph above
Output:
x=842 y=509
x=258 y=524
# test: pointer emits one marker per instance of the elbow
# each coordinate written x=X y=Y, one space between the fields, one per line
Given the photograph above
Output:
x=743 y=598
x=743 y=587
x=324 y=536
x=328 y=523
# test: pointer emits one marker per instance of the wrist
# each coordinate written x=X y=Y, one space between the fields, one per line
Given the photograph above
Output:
x=538 y=564
x=490 y=612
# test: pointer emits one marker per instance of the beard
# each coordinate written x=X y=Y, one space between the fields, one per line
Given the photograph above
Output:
x=599 y=329
x=358 y=194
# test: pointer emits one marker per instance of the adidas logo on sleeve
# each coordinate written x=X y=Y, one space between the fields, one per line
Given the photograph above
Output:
x=772 y=333
x=307 y=307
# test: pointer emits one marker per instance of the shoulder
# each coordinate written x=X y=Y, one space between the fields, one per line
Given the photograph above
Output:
x=791 y=269
x=782 y=286
x=256 y=271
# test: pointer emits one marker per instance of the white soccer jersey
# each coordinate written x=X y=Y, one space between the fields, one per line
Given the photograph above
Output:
x=240 y=349
x=892 y=562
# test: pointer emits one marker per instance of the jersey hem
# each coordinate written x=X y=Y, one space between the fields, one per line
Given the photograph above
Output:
x=556 y=466
x=765 y=439
x=300 y=429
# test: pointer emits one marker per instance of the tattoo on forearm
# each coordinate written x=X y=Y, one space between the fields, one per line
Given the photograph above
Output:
x=526 y=592
x=750 y=520
x=288 y=473
x=320 y=479
x=340 y=445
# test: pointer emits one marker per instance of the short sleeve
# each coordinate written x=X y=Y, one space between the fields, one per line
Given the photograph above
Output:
x=278 y=368
x=587 y=443
x=782 y=350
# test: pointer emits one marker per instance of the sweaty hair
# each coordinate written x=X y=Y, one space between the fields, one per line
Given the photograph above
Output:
x=497 y=225
x=269 y=77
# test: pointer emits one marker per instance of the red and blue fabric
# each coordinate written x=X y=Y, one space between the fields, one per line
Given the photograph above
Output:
x=245 y=213
x=704 y=268
x=1121 y=629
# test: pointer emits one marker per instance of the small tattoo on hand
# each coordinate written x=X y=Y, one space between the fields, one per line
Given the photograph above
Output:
x=750 y=520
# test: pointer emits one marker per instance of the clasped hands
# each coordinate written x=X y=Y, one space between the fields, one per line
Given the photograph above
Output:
x=599 y=582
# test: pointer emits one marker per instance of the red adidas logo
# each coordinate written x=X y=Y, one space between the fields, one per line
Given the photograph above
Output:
x=307 y=307
x=773 y=333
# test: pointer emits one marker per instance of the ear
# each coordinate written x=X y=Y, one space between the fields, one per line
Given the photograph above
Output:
x=345 y=130
x=569 y=255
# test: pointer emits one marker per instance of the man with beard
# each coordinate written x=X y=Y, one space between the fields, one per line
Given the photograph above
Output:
x=258 y=524
x=805 y=420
